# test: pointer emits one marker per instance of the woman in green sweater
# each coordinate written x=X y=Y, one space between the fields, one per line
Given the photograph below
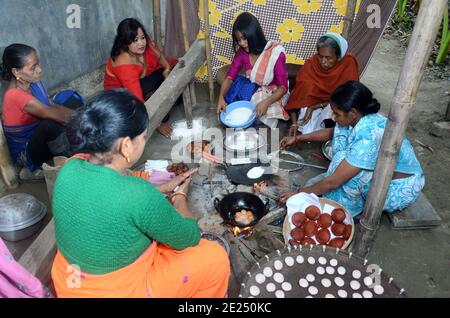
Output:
x=118 y=236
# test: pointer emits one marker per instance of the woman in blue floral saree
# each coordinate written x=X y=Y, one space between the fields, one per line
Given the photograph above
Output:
x=356 y=142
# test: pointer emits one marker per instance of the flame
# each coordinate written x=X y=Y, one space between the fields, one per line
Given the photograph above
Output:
x=239 y=231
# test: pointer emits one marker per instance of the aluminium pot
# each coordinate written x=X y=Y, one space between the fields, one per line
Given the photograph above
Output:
x=21 y=216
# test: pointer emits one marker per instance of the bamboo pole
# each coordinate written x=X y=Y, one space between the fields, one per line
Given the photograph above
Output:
x=184 y=25
x=349 y=18
x=447 y=114
x=157 y=22
x=208 y=50
x=7 y=170
x=417 y=56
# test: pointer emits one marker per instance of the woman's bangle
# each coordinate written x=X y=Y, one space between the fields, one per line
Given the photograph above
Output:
x=177 y=193
x=294 y=125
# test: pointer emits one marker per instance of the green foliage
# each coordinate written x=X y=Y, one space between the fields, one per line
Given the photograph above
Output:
x=405 y=19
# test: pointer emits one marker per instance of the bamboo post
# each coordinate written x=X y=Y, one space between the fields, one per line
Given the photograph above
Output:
x=447 y=114
x=157 y=22
x=184 y=25
x=208 y=50
x=7 y=170
x=417 y=56
x=349 y=18
x=189 y=91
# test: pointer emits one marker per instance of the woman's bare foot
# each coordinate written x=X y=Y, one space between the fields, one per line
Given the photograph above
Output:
x=165 y=129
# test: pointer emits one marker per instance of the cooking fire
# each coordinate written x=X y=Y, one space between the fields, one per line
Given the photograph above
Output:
x=246 y=231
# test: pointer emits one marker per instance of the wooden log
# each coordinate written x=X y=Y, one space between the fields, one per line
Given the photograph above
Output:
x=349 y=18
x=38 y=258
x=208 y=50
x=420 y=215
x=157 y=22
x=159 y=105
x=7 y=170
x=417 y=56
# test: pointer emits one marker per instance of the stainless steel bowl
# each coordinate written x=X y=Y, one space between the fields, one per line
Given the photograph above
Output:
x=242 y=141
x=21 y=216
x=327 y=150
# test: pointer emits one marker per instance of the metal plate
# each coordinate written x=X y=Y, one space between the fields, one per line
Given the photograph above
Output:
x=244 y=141
x=317 y=272
x=327 y=150
x=291 y=156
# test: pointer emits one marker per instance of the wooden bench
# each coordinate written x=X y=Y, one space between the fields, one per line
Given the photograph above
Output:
x=420 y=215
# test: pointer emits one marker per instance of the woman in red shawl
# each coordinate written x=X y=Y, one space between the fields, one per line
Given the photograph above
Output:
x=322 y=73
x=137 y=65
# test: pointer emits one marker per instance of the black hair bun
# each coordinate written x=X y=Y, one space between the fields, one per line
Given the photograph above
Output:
x=373 y=107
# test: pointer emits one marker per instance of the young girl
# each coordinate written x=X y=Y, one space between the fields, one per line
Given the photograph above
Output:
x=265 y=80
x=137 y=64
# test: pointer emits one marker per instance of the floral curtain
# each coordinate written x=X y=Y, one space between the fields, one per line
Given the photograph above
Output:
x=297 y=24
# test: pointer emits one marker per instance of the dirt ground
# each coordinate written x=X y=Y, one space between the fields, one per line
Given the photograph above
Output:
x=418 y=260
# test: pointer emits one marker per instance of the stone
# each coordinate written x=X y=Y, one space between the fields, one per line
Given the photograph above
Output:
x=441 y=129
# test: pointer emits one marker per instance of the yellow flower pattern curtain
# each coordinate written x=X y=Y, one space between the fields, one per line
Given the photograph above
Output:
x=296 y=24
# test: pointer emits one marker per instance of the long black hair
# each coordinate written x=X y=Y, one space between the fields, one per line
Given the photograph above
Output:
x=111 y=115
x=127 y=32
x=354 y=94
x=14 y=56
x=249 y=26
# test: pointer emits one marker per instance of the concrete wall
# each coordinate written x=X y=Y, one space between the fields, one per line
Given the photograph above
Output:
x=68 y=53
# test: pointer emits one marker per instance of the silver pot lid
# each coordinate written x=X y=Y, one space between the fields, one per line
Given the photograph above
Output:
x=19 y=211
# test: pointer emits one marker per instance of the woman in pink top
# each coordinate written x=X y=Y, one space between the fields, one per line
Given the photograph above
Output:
x=264 y=65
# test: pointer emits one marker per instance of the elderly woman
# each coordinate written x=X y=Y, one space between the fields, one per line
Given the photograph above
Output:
x=138 y=65
x=121 y=234
x=33 y=124
x=316 y=80
x=356 y=142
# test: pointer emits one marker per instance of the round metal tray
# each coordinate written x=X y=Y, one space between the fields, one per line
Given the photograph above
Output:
x=291 y=156
x=317 y=272
x=243 y=141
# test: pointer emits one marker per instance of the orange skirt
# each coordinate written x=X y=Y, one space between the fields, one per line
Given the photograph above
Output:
x=160 y=272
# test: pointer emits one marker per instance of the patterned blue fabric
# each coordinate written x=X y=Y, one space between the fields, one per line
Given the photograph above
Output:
x=359 y=146
x=241 y=89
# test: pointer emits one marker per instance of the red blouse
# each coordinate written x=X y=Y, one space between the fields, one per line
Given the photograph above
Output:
x=128 y=75
x=14 y=103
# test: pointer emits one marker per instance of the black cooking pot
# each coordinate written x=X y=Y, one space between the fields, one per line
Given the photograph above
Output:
x=238 y=201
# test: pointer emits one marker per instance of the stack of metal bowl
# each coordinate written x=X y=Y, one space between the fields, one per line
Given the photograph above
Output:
x=21 y=216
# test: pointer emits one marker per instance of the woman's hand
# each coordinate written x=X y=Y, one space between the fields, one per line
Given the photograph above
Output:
x=177 y=181
x=184 y=187
x=166 y=72
x=285 y=196
x=307 y=117
x=293 y=130
x=287 y=142
x=261 y=108
x=221 y=106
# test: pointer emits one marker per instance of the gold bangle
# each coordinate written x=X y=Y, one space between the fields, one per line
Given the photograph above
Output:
x=178 y=193
x=294 y=125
